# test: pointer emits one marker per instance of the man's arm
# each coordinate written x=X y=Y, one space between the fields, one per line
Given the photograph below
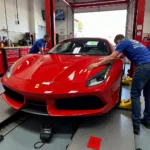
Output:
x=40 y=47
x=106 y=60
x=120 y=56
x=117 y=53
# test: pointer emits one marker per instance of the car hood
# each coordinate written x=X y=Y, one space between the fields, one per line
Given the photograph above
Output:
x=55 y=68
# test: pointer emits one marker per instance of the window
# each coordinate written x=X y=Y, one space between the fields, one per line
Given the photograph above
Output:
x=82 y=47
x=94 y=43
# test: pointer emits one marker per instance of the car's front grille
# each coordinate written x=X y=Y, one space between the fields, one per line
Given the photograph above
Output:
x=14 y=95
x=37 y=105
x=79 y=103
x=34 y=107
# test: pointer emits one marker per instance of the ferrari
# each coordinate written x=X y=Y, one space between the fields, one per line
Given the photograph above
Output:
x=59 y=84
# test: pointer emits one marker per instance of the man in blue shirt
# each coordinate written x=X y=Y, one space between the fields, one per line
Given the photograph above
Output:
x=39 y=45
x=139 y=55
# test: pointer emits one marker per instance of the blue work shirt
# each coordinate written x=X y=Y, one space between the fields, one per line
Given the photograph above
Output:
x=135 y=51
x=37 y=45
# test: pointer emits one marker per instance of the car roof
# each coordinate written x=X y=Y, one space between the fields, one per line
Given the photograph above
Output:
x=86 y=38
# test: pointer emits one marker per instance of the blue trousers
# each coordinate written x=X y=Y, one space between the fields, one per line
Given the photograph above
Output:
x=141 y=81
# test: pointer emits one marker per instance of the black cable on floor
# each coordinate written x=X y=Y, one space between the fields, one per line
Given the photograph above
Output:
x=1 y=138
x=37 y=146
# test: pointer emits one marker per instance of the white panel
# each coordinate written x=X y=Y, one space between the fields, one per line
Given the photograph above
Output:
x=146 y=28
x=130 y=20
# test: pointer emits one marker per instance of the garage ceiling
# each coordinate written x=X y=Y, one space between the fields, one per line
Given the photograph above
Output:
x=75 y=1
x=93 y=3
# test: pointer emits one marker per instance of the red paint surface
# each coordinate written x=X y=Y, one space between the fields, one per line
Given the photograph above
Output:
x=140 y=18
x=94 y=143
x=56 y=68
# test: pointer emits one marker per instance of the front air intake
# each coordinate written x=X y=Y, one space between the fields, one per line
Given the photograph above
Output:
x=14 y=95
x=79 y=103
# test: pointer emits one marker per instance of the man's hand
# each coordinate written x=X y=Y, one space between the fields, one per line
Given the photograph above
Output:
x=105 y=61
x=92 y=66
x=41 y=50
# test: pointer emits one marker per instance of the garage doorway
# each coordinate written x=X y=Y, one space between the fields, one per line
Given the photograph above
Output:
x=104 y=24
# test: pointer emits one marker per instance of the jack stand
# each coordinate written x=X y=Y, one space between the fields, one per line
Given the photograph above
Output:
x=127 y=81
x=126 y=104
x=45 y=135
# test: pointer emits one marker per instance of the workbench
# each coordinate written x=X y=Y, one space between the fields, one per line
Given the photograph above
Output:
x=8 y=55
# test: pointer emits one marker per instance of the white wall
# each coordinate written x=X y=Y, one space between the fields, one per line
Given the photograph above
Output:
x=39 y=6
x=64 y=27
x=2 y=18
x=29 y=16
x=15 y=30
x=36 y=6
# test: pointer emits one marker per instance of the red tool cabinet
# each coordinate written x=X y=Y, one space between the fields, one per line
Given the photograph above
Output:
x=23 y=51
x=2 y=64
x=12 y=55
x=9 y=55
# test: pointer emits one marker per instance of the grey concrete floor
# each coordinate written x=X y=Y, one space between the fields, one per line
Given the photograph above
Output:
x=27 y=134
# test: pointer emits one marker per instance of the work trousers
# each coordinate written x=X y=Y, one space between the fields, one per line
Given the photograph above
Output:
x=141 y=81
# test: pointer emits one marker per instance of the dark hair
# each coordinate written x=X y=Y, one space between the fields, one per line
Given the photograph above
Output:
x=46 y=36
x=119 y=37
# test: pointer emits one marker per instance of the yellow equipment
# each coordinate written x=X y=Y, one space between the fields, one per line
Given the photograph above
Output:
x=126 y=104
x=127 y=81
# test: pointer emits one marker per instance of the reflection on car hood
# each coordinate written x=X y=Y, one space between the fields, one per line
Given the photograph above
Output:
x=54 y=67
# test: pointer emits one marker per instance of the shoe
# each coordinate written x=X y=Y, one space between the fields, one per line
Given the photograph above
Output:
x=136 y=129
x=145 y=123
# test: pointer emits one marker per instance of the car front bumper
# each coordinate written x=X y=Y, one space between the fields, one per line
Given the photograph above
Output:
x=22 y=94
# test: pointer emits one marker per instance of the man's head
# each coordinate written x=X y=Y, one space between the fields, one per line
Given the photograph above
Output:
x=118 y=38
x=46 y=38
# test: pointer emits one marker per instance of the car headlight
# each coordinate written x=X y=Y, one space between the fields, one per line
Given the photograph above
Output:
x=99 y=78
x=9 y=72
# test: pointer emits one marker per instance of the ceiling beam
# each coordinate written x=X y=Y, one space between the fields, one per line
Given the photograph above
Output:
x=100 y=1
x=67 y=3
x=99 y=4
x=96 y=3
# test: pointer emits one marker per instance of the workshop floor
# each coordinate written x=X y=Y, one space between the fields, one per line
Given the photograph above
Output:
x=16 y=142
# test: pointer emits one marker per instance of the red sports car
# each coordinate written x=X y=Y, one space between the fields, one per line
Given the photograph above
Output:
x=59 y=84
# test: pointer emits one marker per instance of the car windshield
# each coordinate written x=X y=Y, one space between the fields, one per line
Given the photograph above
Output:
x=82 y=47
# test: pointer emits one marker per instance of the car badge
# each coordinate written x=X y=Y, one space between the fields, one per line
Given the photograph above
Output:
x=36 y=86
